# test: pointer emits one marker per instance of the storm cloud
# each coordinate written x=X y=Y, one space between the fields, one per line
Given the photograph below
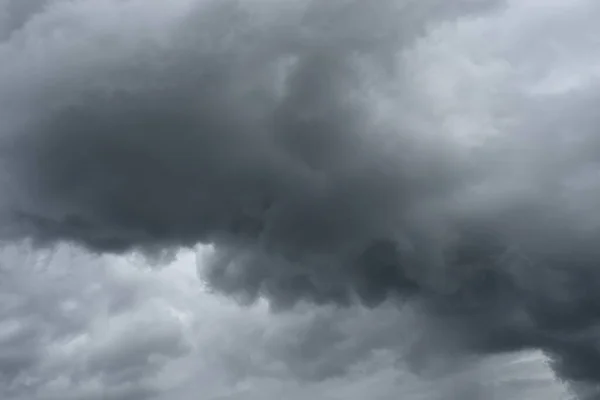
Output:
x=321 y=154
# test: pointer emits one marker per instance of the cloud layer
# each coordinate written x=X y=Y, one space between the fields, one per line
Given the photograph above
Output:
x=88 y=328
x=329 y=152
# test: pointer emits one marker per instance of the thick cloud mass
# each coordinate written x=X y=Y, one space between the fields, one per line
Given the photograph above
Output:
x=320 y=152
x=248 y=126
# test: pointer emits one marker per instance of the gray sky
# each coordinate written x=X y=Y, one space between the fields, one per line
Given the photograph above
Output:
x=74 y=327
x=266 y=199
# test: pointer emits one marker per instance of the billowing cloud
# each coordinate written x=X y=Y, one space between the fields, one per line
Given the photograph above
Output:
x=337 y=153
x=83 y=328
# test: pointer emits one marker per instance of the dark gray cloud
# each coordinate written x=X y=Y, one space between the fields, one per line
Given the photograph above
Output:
x=294 y=139
x=185 y=136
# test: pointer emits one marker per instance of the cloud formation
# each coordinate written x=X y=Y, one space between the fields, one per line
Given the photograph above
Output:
x=330 y=152
x=102 y=328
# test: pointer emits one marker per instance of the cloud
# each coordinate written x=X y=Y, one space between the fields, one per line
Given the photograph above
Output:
x=14 y=14
x=63 y=336
x=330 y=153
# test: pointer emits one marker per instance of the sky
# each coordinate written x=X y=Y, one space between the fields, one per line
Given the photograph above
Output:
x=80 y=328
x=267 y=199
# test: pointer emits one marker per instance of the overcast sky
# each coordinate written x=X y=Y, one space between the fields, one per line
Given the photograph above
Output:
x=76 y=328
x=270 y=199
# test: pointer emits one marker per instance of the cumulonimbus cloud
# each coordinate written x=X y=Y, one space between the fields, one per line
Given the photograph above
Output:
x=265 y=129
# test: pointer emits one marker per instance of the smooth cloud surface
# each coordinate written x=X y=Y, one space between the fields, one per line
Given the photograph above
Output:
x=405 y=152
